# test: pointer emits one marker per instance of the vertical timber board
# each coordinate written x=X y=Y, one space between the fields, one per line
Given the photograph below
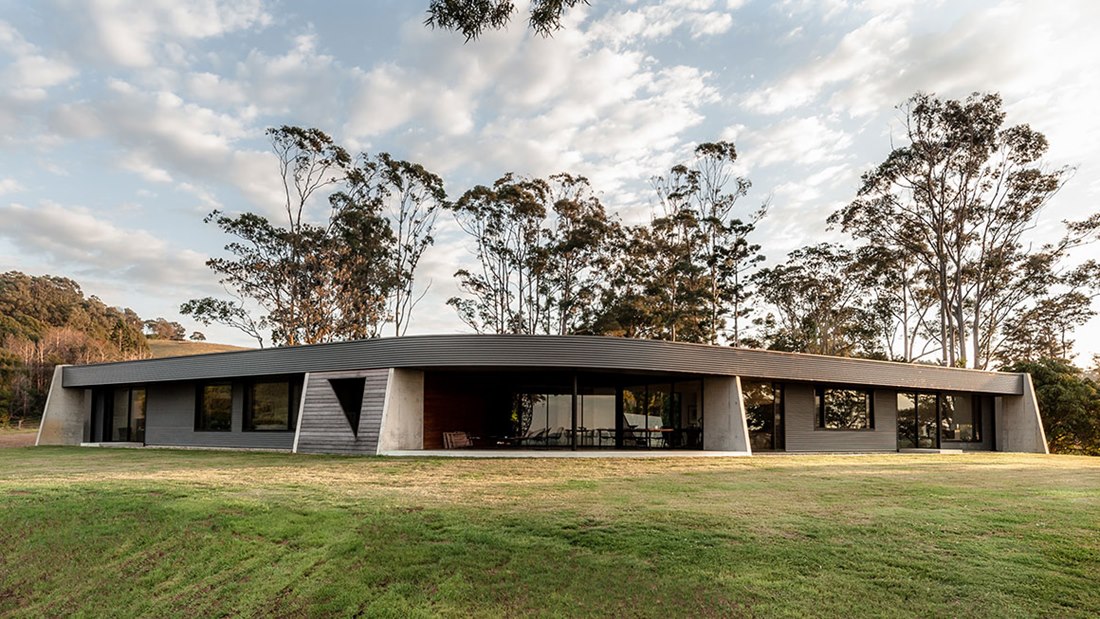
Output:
x=323 y=425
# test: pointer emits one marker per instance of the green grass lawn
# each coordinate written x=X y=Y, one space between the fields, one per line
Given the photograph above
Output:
x=188 y=533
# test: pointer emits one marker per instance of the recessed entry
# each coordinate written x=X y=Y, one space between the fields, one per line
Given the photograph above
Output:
x=349 y=391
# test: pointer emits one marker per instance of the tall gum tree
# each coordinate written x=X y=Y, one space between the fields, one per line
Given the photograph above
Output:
x=325 y=274
x=959 y=198
x=706 y=245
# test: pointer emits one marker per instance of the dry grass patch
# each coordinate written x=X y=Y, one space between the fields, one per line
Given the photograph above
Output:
x=185 y=533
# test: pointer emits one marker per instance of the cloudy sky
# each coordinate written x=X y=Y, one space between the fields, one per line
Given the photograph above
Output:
x=122 y=123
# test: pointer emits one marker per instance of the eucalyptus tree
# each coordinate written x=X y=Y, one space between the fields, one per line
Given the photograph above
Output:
x=817 y=305
x=504 y=222
x=898 y=291
x=325 y=273
x=704 y=245
x=576 y=256
x=472 y=17
x=958 y=198
x=541 y=253
x=411 y=198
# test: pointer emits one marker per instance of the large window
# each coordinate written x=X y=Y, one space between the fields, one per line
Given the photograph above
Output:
x=959 y=419
x=844 y=409
x=214 y=408
x=270 y=406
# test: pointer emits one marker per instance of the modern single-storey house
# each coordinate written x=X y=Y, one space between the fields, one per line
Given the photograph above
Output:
x=520 y=392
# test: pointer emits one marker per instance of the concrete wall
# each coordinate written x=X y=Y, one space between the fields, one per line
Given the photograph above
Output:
x=724 y=426
x=804 y=435
x=403 y=412
x=324 y=428
x=65 y=417
x=170 y=421
x=1019 y=427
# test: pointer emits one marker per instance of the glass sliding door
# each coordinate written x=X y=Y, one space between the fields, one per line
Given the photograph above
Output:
x=907 y=420
x=691 y=402
x=612 y=412
x=928 y=436
x=118 y=415
x=764 y=415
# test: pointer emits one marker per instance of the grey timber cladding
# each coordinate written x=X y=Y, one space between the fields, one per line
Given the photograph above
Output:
x=802 y=433
x=325 y=429
x=534 y=351
x=170 y=421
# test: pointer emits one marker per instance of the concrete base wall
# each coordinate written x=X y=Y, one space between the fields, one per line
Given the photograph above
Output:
x=65 y=417
x=403 y=412
x=1019 y=427
x=724 y=425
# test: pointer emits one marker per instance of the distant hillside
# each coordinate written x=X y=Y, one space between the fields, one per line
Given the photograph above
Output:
x=172 y=348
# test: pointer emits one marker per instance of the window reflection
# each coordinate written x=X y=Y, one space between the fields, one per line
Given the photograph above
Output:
x=215 y=408
x=843 y=409
x=655 y=415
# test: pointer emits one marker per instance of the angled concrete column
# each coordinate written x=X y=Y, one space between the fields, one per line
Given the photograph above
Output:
x=65 y=415
x=1019 y=426
x=724 y=424
x=403 y=412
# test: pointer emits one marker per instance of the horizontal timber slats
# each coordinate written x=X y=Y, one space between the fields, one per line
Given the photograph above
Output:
x=325 y=428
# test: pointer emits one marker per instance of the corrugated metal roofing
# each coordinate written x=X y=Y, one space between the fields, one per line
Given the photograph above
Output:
x=543 y=351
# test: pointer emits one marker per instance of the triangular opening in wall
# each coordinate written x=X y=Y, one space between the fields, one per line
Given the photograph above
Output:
x=349 y=391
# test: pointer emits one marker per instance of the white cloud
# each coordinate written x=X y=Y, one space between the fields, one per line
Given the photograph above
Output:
x=30 y=72
x=141 y=166
x=797 y=141
x=132 y=33
x=9 y=185
x=861 y=58
x=164 y=138
x=535 y=106
x=701 y=18
x=76 y=238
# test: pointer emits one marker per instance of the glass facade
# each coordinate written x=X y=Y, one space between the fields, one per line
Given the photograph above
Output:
x=630 y=415
x=137 y=415
x=961 y=418
x=118 y=415
x=927 y=420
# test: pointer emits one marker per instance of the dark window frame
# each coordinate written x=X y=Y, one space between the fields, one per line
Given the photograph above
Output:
x=292 y=403
x=819 y=401
x=200 y=390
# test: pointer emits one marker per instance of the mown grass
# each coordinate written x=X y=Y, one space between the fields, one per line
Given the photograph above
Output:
x=97 y=532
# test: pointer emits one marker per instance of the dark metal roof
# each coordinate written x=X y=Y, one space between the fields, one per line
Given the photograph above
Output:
x=543 y=351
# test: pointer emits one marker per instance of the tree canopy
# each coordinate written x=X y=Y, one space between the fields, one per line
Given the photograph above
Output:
x=952 y=208
x=1069 y=402
x=342 y=273
x=473 y=17
x=47 y=320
